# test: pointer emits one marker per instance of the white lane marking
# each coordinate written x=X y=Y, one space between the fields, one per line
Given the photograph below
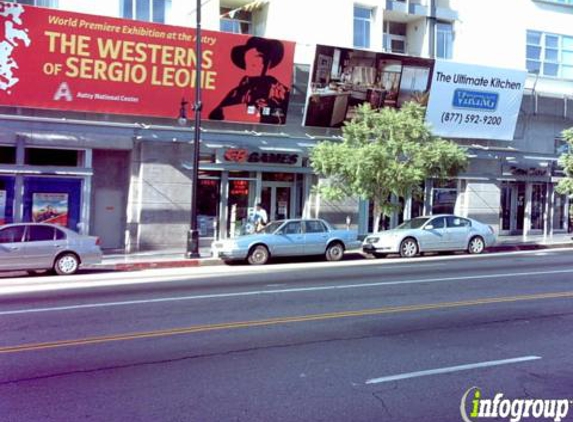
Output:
x=277 y=291
x=451 y=369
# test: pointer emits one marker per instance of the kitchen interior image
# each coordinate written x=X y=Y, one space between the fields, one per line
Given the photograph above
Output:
x=344 y=78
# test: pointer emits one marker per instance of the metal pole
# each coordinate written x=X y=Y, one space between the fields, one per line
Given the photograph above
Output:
x=193 y=235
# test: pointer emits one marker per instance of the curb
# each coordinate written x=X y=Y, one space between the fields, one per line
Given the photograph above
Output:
x=529 y=247
x=190 y=263
x=148 y=265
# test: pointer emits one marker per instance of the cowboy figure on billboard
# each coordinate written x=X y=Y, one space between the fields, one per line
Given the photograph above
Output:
x=259 y=97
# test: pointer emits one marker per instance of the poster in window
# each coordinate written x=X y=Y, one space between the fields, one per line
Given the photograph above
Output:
x=2 y=207
x=50 y=208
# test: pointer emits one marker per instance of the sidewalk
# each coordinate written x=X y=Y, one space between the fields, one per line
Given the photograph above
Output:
x=176 y=257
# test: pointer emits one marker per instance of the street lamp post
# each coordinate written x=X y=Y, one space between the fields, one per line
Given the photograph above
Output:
x=193 y=234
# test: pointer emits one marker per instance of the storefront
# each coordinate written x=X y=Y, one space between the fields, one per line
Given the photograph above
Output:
x=234 y=177
x=69 y=173
x=513 y=194
x=529 y=203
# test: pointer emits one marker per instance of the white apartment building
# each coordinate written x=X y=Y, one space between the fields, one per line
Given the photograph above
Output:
x=129 y=177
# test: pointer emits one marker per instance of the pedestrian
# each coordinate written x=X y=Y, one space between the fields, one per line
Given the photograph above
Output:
x=261 y=218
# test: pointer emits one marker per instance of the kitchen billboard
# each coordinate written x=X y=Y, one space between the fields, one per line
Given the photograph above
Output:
x=343 y=78
x=461 y=100
x=68 y=61
x=469 y=101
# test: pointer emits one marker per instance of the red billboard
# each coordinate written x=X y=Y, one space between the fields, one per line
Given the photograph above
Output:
x=69 y=61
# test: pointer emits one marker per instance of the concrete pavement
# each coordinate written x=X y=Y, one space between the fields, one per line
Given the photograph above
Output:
x=363 y=340
x=175 y=258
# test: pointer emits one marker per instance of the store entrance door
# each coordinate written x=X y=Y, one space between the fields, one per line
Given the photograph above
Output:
x=512 y=208
x=276 y=198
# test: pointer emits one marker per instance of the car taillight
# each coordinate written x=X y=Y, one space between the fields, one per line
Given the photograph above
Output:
x=491 y=229
x=98 y=241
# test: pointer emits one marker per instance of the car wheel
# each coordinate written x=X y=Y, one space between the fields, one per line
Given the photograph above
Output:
x=408 y=248
x=334 y=252
x=259 y=255
x=476 y=245
x=66 y=264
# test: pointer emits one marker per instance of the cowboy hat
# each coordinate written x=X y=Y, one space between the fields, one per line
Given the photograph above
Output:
x=272 y=51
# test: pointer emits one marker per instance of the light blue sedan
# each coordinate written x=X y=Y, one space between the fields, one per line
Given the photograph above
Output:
x=430 y=234
x=295 y=237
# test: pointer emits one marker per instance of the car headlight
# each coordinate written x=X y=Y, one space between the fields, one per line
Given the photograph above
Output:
x=372 y=239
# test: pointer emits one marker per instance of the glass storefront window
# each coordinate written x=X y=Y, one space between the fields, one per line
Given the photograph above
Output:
x=52 y=157
x=242 y=175
x=208 y=191
x=444 y=200
x=241 y=204
x=538 y=194
x=7 y=155
x=279 y=177
x=444 y=195
x=6 y=199
x=559 y=212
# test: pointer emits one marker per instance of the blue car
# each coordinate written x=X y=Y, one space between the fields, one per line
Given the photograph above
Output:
x=295 y=237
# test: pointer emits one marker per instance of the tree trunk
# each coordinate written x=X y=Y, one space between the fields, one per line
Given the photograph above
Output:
x=376 y=216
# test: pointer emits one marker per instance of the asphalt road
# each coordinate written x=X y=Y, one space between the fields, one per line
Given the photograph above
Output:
x=388 y=340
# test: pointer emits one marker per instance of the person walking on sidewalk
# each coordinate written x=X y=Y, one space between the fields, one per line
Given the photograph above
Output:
x=261 y=218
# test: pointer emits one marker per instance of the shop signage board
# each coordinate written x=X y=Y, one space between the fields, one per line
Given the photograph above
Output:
x=245 y=156
x=342 y=78
x=107 y=65
x=469 y=101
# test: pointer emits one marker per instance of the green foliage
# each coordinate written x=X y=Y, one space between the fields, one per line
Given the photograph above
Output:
x=385 y=152
x=565 y=185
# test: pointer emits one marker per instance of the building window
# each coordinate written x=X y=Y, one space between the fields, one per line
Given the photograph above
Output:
x=236 y=21
x=146 y=10
x=559 y=214
x=550 y=54
x=395 y=37
x=538 y=194
x=362 y=23
x=51 y=157
x=7 y=155
x=42 y=3
x=444 y=40
x=444 y=196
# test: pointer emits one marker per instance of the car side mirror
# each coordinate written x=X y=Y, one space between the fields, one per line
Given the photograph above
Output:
x=429 y=227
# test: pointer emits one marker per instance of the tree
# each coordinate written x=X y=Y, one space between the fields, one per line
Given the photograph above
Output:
x=565 y=186
x=385 y=152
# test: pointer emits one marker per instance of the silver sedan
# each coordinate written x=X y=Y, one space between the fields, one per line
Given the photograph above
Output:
x=295 y=237
x=428 y=234
x=40 y=246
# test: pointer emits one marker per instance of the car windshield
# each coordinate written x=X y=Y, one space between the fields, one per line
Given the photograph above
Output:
x=414 y=223
x=272 y=227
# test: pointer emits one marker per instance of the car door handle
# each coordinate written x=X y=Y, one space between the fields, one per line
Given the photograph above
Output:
x=59 y=246
x=14 y=248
